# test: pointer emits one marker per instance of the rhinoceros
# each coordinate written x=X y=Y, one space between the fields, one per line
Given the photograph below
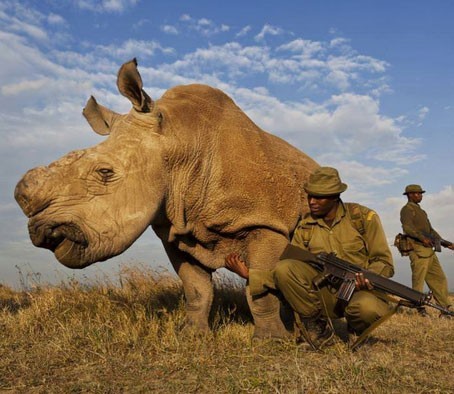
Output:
x=194 y=167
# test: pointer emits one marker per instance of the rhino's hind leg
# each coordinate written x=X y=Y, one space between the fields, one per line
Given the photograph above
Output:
x=267 y=320
x=264 y=253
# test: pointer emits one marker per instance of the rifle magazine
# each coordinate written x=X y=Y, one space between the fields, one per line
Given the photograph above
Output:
x=346 y=290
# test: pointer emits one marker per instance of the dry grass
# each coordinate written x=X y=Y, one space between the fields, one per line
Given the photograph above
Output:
x=128 y=338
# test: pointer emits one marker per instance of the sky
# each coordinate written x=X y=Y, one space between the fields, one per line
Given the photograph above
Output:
x=363 y=86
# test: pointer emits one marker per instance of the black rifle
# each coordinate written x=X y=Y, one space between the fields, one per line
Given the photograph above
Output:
x=438 y=242
x=343 y=273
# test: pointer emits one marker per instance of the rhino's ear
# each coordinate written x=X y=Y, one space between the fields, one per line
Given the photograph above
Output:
x=130 y=85
x=100 y=118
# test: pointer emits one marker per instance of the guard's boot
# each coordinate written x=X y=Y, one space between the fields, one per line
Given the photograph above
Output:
x=317 y=332
x=422 y=312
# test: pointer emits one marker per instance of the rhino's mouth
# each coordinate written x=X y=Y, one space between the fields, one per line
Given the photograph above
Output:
x=59 y=238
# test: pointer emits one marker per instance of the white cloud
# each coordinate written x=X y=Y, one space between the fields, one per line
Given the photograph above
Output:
x=244 y=31
x=20 y=60
x=342 y=70
x=339 y=78
x=204 y=26
x=268 y=30
x=381 y=89
x=338 y=41
x=403 y=152
x=24 y=85
x=422 y=113
x=31 y=30
x=106 y=5
x=14 y=10
x=169 y=29
x=307 y=63
x=351 y=123
x=55 y=19
x=369 y=176
x=230 y=60
x=24 y=20
x=118 y=5
x=304 y=48
x=204 y=22
x=133 y=48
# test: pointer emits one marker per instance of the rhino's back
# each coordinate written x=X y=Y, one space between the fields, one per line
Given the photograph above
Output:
x=247 y=177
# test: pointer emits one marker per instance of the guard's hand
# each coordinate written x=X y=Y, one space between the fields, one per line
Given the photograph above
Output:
x=427 y=243
x=451 y=247
x=362 y=283
x=234 y=263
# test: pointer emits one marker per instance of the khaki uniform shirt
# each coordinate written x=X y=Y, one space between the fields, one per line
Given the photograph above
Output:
x=369 y=250
x=415 y=222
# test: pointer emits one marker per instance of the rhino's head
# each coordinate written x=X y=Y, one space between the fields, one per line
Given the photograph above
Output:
x=92 y=204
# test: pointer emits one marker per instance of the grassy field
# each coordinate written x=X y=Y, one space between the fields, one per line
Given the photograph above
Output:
x=129 y=338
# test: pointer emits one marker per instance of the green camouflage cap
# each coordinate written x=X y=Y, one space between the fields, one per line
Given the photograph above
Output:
x=324 y=181
x=413 y=189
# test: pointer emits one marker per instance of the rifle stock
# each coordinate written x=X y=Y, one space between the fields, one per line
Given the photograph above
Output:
x=335 y=270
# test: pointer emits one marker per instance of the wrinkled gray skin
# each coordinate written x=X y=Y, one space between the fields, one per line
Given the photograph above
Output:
x=194 y=167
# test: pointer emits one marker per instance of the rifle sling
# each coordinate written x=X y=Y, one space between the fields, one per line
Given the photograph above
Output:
x=366 y=333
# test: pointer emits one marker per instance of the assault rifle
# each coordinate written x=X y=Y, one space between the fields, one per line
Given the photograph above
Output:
x=438 y=242
x=343 y=273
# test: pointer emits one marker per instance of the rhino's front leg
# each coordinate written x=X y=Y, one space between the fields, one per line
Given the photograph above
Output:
x=197 y=286
x=197 y=282
x=198 y=291
x=264 y=254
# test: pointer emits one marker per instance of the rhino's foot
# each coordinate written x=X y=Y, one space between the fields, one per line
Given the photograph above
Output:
x=193 y=331
x=267 y=319
x=196 y=325
x=271 y=329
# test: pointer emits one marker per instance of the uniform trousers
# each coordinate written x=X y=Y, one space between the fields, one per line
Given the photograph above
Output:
x=425 y=267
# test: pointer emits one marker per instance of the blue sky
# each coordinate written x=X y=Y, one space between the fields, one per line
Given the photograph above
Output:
x=364 y=86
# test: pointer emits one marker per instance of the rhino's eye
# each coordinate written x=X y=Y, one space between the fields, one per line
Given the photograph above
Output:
x=106 y=174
